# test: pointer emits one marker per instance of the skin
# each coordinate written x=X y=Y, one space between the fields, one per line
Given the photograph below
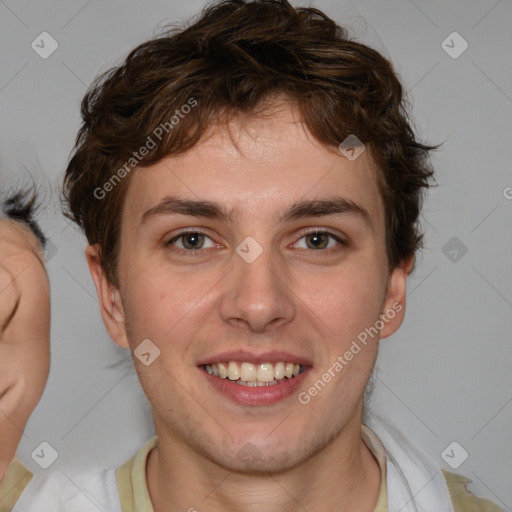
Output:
x=24 y=333
x=308 y=301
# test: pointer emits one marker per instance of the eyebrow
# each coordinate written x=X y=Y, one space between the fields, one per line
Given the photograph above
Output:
x=335 y=205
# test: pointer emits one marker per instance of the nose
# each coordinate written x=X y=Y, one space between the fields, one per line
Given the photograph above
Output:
x=257 y=295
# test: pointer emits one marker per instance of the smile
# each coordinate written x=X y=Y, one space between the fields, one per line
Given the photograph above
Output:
x=254 y=375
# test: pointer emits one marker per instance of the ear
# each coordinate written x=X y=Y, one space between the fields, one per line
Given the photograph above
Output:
x=111 y=307
x=394 y=304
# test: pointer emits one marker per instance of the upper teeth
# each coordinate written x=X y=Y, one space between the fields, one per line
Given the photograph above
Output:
x=248 y=372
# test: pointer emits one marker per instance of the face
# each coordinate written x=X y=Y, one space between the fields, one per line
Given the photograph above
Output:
x=277 y=257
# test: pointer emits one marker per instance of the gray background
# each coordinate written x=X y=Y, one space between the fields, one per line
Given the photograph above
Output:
x=445 y=376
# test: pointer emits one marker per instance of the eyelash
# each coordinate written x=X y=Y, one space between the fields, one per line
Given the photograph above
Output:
x=198 y=252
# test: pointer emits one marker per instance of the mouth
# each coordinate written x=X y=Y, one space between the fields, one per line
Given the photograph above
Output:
x=255 y=380
x=254 y=375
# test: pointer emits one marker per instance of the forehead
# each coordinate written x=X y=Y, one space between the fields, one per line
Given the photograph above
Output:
x=256 y=167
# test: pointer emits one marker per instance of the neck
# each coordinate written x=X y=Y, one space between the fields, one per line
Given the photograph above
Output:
x=344 y=472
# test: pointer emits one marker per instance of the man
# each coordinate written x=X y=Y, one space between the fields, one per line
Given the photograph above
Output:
x=24 y=334
x=250 y=188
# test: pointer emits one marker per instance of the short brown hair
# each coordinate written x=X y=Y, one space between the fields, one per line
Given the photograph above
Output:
x=235 y=56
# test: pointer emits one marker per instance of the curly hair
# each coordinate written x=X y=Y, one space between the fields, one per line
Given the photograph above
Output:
x=236 y=55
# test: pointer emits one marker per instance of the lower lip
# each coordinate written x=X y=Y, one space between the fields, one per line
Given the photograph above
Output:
x=260 y=395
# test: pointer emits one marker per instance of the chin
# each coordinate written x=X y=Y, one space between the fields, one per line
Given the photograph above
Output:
x=250 y=459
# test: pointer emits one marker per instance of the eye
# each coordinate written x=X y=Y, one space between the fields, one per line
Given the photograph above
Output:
x=320 y=240
x=191 y=241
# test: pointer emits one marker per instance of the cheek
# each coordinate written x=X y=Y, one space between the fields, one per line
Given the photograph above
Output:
x=349 y=306
x=159 y=305
x=347 y=301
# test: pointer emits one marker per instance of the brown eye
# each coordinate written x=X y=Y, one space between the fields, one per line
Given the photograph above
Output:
x=190 y=241
x=318 y=240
